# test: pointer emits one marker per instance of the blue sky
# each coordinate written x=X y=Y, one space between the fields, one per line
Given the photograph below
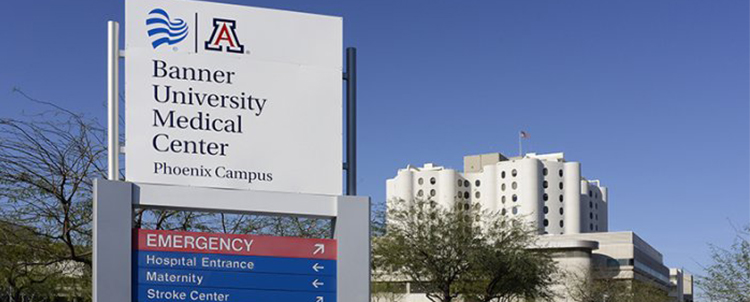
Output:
x=650 y=96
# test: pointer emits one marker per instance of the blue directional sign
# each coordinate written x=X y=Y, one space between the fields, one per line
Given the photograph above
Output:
x=236 y=263
x=203 y=278
x=185 y=266
x=147 y=293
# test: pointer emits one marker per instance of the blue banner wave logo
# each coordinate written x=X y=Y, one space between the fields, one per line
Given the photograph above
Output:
x=164 y=30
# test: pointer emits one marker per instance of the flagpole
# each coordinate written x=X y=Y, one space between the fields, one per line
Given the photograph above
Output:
x=520 y=145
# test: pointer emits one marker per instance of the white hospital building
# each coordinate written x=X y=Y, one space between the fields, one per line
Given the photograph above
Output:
x=569 y=210
x=545 y=189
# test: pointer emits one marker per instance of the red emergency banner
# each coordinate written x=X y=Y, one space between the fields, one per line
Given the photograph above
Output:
x=232 y=244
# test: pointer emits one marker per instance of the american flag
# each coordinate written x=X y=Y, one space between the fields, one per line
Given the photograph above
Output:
x=524 y=134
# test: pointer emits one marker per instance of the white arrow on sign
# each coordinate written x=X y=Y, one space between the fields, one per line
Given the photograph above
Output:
x=319 y=248
x=317 y=267
x=317 y=283
x=318 y=299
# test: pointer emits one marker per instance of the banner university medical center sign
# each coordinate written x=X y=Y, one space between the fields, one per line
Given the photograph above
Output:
x=233 y=97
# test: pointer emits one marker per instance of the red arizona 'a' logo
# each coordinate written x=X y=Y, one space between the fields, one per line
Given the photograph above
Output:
x=224 y=36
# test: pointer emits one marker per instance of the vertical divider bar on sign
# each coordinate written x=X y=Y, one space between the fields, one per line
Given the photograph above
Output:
x=196 y=32
x=113 y=92
x=350 y=76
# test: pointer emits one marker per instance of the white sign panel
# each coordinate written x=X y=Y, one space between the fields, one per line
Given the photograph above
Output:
x=232 y=96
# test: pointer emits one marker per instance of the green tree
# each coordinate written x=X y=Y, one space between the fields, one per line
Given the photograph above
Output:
x=30 y=269
x=461 y=251
x=47 y=164
x=728 y=277
x=506 y=268
x=387 y=290
x=588 y=288
x=427 y=245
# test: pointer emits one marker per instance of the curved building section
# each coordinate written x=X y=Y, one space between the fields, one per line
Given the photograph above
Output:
x=427 y=183
x=604 y=224
x=530 y=195
x=446 y=187
x=553 y=196
x=485 y=192
x=571 y=174
x=593 y=207
x=402 y=186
